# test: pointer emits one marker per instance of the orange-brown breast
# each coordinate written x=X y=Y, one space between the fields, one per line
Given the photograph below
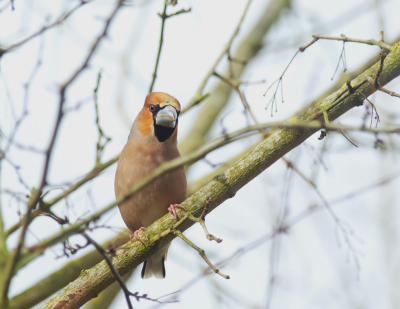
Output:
x=137 y=160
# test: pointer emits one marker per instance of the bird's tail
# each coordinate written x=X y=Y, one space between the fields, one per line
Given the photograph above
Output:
x=154 y=266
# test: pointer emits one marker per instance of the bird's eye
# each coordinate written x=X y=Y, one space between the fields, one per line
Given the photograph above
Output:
x=152 y=108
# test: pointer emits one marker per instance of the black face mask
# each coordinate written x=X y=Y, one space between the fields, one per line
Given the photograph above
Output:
x=162 y=133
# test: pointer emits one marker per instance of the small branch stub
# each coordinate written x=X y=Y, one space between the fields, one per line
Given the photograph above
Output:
x=375 y=81
x=351 y=89
x=383 y=57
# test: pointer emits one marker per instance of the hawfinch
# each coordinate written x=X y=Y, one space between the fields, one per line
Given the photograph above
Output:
x=151 y=142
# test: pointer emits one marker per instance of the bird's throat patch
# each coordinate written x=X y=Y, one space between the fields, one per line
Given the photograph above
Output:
x=163 y=133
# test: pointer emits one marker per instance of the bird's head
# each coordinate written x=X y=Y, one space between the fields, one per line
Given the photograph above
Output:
x=159 y=117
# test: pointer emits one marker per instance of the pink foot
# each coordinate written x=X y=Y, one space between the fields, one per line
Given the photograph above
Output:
x=136 y=234
x=172 y=210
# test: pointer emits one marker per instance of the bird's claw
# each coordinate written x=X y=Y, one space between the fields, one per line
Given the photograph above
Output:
x=172 y=210
x=136 y=234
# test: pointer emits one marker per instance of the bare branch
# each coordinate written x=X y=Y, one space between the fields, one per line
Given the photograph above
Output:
x=236 y=86
x=344 y=38
x=99 y=146
x=391 y=93
x=164 y=17
x=343 y=58
x=279 y=82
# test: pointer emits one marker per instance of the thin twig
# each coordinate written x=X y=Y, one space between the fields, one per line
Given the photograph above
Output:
x=345 y=229
x=347 y=39
x=391 y=93
x=280 y=82
x=341 y=131
x=180 y=12
x=99 y=146
x=343 y=58
x=236 y=86
x=373 y=109
x=17 y=171
x=78 y=104
x=164 y=17
x=280 y=79
x=201 y=252
x=29 y=148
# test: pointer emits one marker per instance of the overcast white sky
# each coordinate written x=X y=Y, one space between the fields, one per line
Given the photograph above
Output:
x=313 y=270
